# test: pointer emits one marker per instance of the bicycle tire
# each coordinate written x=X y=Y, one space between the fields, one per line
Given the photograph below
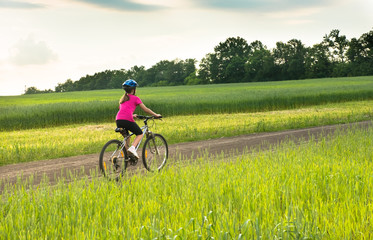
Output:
x=112 y=160
x=155 y=153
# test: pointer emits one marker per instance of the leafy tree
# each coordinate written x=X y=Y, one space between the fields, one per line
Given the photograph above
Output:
x=68 y=86
x=102 y=79
x=139 y=73
x=175 y=73
x=189 y=68
x=34 y=90
x=355 y=52
x=367 y=42
x=317 y=62
x=290 y=59
x=83 y=84
x=235 y=70
x=337 y=44
x=179 y=70
x=260 y=65
x=161 y=72
x=360 y=54
x=208 y=71
x=169 y=72
x=193 y=79
x=117 y=78
x=228 y=57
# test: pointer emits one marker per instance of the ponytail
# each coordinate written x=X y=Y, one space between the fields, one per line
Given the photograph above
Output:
x=125 y=98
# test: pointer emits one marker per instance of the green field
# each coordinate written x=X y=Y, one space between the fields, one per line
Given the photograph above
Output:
x=46 y=126
x=313 y=190
x=316 y=190
x=63 y=141
x=56 y=109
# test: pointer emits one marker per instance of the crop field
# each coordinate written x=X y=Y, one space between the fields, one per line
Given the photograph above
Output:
x=63 y=141
x=56 y=109
x=315 y=190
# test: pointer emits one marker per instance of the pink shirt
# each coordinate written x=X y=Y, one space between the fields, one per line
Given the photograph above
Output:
x=127 y=108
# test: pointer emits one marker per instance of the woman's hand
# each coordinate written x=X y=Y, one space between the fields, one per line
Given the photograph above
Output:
x=134 y=115
x=156 y=115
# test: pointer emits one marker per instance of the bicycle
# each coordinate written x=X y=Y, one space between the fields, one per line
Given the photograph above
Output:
x=114 y=158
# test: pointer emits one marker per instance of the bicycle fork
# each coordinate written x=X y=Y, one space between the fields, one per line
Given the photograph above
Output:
x=119 y=154
x=151 y=135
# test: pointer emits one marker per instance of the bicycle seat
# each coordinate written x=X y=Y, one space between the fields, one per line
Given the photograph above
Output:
x=120 y=130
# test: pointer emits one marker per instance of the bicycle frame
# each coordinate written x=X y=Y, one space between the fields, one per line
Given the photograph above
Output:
x=145 y=132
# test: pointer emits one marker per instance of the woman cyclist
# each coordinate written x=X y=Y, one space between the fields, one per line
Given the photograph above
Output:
x=127 y=106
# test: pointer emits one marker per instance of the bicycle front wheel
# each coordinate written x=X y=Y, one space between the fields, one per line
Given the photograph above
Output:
x=112 y=160
x=155 y=153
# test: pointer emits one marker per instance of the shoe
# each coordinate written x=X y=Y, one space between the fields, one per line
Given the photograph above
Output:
x=133 y=152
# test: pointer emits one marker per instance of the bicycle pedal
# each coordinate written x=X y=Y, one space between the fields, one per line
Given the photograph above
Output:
x=133 y=160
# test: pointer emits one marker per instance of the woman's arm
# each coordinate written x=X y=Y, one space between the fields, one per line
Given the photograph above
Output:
x=148 y=110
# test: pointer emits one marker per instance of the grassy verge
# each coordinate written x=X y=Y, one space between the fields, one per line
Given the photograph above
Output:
x=48 y=143
x=317 y=190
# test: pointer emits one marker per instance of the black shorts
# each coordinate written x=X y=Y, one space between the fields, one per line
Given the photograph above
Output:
x=129 y=126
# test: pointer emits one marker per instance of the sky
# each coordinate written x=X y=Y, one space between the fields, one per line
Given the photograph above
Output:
x=46 y=42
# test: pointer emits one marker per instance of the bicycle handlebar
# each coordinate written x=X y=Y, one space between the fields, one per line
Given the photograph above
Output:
x=148 y=117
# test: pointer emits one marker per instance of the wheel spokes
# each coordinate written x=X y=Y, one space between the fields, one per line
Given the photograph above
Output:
x=155 y=153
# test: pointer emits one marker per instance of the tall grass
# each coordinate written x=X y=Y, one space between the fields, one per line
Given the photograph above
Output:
x=55 y=142
x=319 y=190
x=56 y=114
x=45 y=110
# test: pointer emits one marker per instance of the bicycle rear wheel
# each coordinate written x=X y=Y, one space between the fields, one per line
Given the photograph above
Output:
x=155 y=153
x=112 y=160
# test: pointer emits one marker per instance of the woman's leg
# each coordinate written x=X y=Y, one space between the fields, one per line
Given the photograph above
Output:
x=128 y=142
x=137 y=140
x=134 y=128
x=132 y=149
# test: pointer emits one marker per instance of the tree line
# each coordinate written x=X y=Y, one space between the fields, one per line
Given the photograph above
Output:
x=235 y=60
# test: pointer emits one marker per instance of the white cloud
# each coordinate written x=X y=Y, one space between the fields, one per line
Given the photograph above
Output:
x=31 y=52
x=122 y=5
x=19 y=4
x=260 y=5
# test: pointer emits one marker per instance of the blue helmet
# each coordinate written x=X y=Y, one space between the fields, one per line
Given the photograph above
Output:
x=130 y=83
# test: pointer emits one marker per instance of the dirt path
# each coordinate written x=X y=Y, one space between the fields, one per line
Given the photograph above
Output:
x=56 y=168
